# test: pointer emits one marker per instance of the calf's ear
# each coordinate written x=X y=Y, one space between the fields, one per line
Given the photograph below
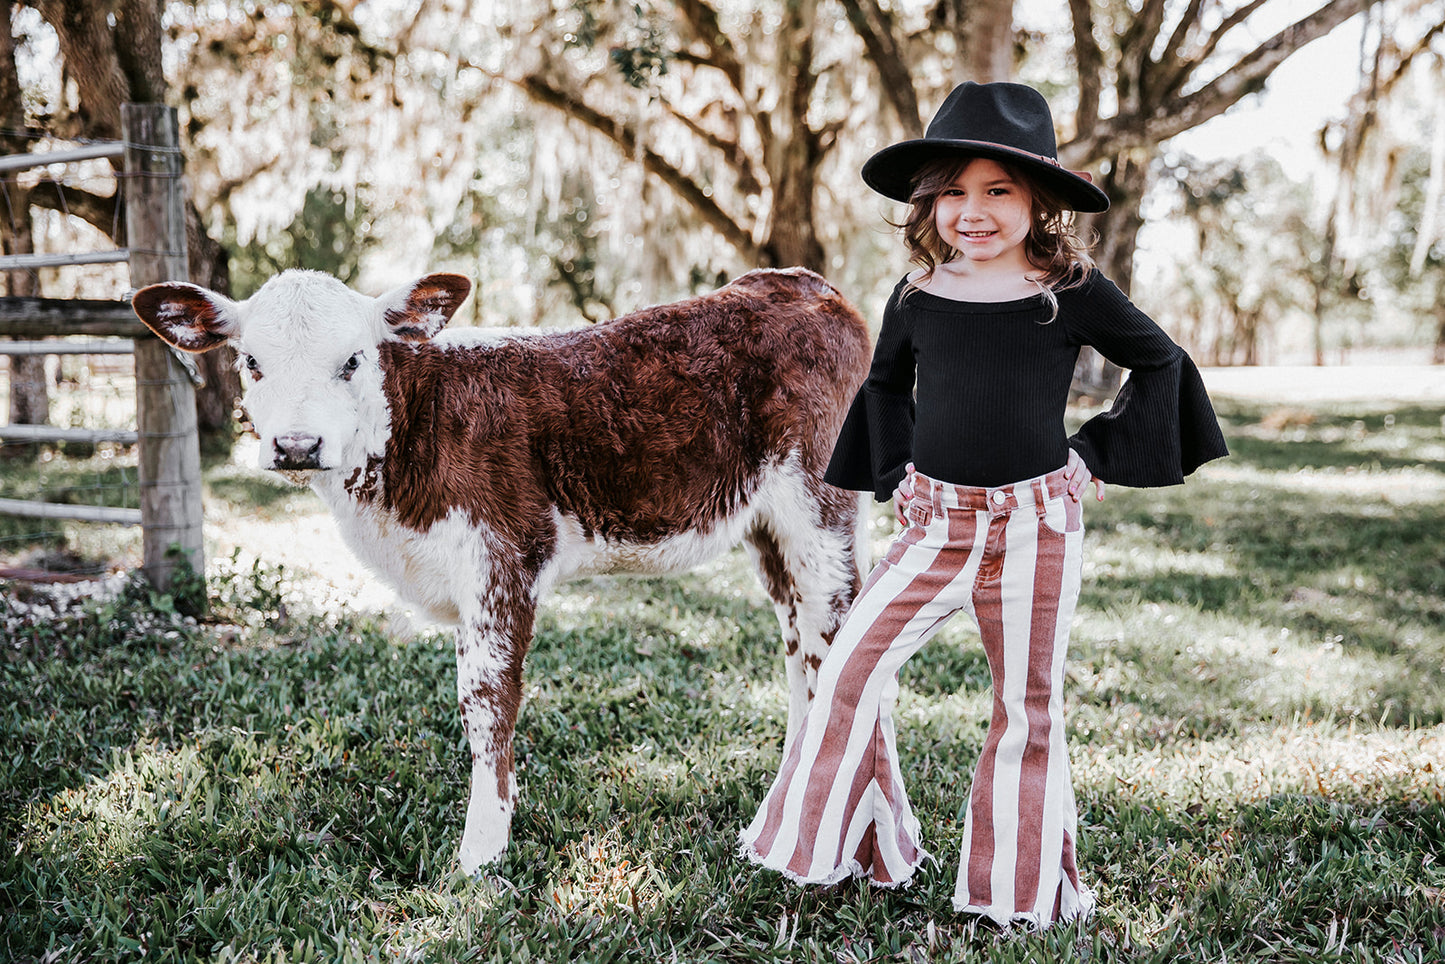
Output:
x=187 y=316
x=416 y=312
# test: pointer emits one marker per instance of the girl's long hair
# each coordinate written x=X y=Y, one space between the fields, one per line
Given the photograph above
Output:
x=1051 y=246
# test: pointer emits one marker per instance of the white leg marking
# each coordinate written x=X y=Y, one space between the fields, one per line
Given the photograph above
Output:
x=489 y=818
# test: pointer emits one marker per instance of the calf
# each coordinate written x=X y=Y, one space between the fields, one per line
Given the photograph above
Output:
x=474 y=471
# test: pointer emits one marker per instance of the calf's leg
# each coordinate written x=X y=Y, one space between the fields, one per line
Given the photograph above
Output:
x=806 y=545
x=490 y=649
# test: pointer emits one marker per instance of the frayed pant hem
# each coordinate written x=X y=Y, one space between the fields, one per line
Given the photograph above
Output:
x=1032 y=922
x=837 y=875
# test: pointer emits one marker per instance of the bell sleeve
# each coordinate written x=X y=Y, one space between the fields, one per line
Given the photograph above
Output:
x=876 y=441
x=1161 y=426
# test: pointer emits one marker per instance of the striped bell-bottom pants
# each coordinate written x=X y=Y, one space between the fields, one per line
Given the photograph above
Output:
x=1011 y=556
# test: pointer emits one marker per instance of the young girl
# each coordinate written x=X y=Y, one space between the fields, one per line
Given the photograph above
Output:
x=986 y=332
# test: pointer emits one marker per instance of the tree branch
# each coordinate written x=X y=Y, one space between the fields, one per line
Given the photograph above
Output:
x=625 y=137
x=727 y=148
x=730 y=151
x=1089 y=60
x=722 y=56
x=1229 y=23
x=1407 y=57
x=703 y=21
x=876 y=28
x=338 y=16
x=1253 y=69
x=1142 y=34
x=97 y=210
x=1173 y=67
x=1181 y=113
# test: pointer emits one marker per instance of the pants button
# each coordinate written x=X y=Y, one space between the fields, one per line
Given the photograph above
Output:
x=999 y=498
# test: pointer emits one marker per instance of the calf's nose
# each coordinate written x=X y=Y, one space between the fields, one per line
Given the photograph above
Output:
x=297 y=452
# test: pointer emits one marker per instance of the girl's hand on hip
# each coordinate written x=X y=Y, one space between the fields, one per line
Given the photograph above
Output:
x=902 y=495
x=1078 y=476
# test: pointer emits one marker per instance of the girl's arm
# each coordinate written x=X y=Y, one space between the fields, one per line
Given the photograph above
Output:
x=876 y=439
x=1161 y=426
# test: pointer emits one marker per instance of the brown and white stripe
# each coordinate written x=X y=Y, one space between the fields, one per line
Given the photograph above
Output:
x=1010 y=556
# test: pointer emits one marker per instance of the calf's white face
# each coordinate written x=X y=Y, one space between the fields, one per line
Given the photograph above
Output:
x=309 y=354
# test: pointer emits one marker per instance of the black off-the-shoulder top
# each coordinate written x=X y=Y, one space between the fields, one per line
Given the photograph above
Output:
x=992 y=382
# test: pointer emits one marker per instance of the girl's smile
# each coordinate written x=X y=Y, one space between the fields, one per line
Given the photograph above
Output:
x=985 y=214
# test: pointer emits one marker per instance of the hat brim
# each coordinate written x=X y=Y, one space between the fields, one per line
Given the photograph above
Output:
x=890 y=172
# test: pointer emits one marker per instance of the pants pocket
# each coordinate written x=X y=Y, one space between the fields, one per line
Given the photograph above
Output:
x=1063 y=515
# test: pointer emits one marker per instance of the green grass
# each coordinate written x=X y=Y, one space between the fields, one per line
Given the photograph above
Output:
x=1257 y=724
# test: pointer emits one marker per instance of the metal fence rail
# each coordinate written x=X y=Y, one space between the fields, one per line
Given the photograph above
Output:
x=89 y=152
x=114 y=346
x=32 y=262
x=166 y=430
x=74 y=513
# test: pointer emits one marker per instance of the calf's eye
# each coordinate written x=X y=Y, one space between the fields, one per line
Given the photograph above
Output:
x=252 y=367
x=350 y=367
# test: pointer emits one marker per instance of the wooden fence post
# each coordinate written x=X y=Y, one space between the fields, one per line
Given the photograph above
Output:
x=170 y=457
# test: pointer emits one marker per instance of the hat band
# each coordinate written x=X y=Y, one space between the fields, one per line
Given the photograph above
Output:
x=1054 y=161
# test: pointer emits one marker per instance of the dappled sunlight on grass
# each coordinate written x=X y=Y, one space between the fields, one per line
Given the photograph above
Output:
x=963 y=715
x=261 y=496
x=1155 y=559
x=1347 y=763
x=764 y=701
x=1167 y=667
x=101 y=824
x=1398 y=486
x=1375 y=438
x=604 y=876
x=406 y=921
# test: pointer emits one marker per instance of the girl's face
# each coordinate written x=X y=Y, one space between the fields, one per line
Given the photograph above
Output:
x=984 y=214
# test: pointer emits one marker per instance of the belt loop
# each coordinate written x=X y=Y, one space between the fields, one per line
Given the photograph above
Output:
x=1040 y=488
x=937 y=494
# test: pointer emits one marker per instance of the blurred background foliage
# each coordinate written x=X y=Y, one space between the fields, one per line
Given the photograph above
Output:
x=581 y=158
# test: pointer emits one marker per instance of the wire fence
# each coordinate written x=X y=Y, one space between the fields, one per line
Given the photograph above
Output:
x=86 y=459
x=70 y=453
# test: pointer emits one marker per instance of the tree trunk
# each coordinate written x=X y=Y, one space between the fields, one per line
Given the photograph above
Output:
x=1116 y=234
x=1248 y=324
x=796 y=152
x=1117 y=229
x=29 y=393
x=216 y=399
x=985 y=40
x=112 y=52
x=793 y=239
x=1437 y=356
x=29 y=396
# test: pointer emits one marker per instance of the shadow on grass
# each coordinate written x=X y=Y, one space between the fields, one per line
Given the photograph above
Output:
x=1286 y=438
x=1285 y=592
x=256 y=494
x=1280 y=549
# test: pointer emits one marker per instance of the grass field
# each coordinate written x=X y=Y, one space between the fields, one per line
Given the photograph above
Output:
x=1257 y=725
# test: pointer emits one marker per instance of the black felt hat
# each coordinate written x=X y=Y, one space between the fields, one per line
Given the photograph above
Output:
x=1008 y=122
